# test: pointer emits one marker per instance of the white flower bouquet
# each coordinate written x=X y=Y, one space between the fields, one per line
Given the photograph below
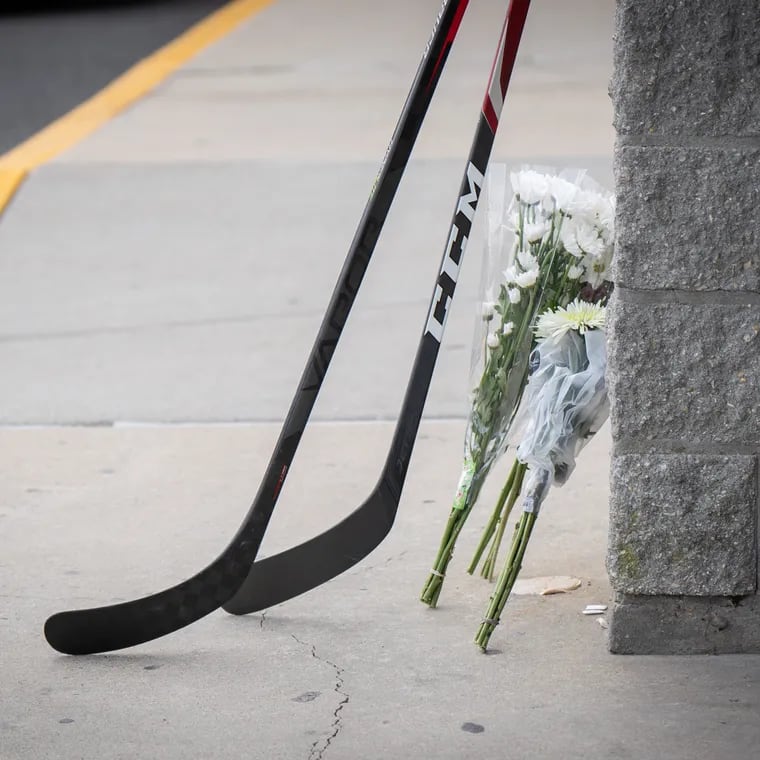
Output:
x=564 y=405
x=549 y=242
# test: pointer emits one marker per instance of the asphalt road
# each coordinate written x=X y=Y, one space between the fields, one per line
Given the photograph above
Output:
x=52 y=60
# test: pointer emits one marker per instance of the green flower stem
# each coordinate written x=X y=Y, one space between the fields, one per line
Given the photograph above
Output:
x=563 y=289
x=521 y=225
x=457 y=518
x=489 y=566
x=488 y=531
x=507 y=578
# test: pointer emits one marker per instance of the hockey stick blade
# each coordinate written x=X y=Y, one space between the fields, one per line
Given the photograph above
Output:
x=297 y=570
x=103 y=629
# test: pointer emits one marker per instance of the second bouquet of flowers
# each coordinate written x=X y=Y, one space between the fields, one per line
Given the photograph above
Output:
x=549 y=244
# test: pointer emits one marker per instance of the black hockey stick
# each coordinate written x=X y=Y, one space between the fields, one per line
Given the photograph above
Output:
x=117 y=626
x=282 y=576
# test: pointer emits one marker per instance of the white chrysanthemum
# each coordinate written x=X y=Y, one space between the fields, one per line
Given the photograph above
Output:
x=580 y=237
x=567 y=237
x=511 y=274
x=530 y=186
x=589 y=240
x=578 y=315
x=563 y=192
x=492 y=340
x=596 y=268
x=602 y=216
x=527 y=279
x=534 y=231
x=514 y=295
x=605 y=212
x=508 y=328
x=527 y=260
x=585 y=206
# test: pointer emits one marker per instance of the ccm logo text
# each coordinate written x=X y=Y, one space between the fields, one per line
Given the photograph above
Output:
x=460 y=229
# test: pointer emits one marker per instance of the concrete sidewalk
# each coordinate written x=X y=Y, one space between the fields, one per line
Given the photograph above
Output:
x=160 y=286
x=357 y=668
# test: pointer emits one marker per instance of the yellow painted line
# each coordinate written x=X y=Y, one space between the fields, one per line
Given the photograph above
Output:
x=77 y=124
x=10 y=181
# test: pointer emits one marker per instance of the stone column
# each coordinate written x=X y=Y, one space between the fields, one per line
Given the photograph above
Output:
x=685 y=328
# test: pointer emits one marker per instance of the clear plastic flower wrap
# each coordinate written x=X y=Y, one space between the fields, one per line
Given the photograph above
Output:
x=549 y=240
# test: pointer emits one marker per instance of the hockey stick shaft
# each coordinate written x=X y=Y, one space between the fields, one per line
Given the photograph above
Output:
x=123 y=625
x=308 y=565
x=357 y=261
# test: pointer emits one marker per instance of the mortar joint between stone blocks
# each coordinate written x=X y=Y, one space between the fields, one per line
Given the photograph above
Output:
x=686 y=142
x=644 y=296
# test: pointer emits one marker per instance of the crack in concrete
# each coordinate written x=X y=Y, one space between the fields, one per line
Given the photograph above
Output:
x=316 y=752
x=263 y=618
